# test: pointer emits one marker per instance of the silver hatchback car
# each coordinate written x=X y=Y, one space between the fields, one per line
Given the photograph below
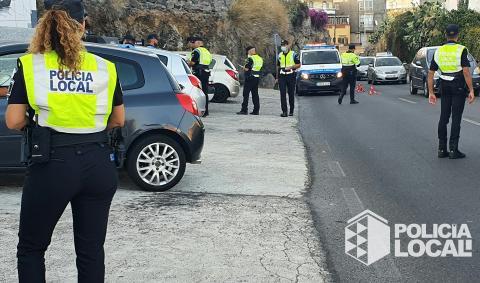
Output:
x=224 y=79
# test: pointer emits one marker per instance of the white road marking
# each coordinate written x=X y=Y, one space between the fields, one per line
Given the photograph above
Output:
x=406 y=100
x=336 y=169
x=471 y=121
x=385 y=267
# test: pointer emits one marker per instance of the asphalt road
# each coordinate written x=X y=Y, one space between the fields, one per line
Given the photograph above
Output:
x=381 y=155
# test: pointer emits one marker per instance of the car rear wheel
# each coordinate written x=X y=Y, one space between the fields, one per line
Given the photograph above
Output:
x=221 y=94
x=156 y=163
x=413 y=90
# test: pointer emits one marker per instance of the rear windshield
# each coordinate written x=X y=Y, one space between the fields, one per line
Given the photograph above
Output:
x=391 y=61
x=320 y=57
x=229 y=64
x=186 y=67
x=366 y=61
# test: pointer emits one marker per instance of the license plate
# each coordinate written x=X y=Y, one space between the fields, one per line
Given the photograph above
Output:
x=391 y=76
x=323 y=84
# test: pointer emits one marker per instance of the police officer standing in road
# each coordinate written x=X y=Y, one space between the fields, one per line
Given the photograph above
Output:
x=350 y=62
x=252 y=68
x=455 y=83
x=287 y=64
x=200 y=60
x=75 y=97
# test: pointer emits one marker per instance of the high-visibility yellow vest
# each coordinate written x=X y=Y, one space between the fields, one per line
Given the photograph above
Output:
x=257 y=64
x=68 y=102
x=287 y=60
x=205 y=56
x=350 y=59
x=449 y=57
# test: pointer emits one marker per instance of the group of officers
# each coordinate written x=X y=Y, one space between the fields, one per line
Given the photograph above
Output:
x=75 y=163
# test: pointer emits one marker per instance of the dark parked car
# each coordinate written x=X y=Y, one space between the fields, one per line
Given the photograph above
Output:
x=163 y=130
x=421 y=64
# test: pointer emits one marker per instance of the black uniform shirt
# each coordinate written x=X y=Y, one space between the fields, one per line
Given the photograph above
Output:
x=19 y=91
x=464 y=60
x=249 y=66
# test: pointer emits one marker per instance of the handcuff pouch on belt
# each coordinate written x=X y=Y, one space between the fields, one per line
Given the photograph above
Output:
x=36 y=143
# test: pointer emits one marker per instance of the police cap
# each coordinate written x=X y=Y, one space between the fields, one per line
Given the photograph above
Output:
x=285 y=42
x=452 y=30
x=74 y=8
x=351 y=47
x=129 y=37
x=152 y=36
x=249 y=48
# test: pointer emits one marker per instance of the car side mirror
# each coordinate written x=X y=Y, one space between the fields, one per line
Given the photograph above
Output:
x=370 y=65
x=182 y=87
x=418 y=63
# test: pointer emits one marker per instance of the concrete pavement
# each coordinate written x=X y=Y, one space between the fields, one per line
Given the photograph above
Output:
x=241 y=216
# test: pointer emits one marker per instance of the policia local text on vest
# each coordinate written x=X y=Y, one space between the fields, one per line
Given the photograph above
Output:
x=287 y=64
x=200 y=60
x=74 y=97
x=252 y=68
x=455 y=85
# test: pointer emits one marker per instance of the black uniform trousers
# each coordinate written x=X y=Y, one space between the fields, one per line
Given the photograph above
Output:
x=349 y=80
x=83 y=176
x=204 y=77
x=251 y=85
x=453 y=103
x=287 y=83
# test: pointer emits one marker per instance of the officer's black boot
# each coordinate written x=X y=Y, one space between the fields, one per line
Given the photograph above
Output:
x=442 y=149
x=454 y=152
x=340 y=98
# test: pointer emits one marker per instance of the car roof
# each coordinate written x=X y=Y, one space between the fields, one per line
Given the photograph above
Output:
x=186 y=52
x=378 y=57
x=158 y=51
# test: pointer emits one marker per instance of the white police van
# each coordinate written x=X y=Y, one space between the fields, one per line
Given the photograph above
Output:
x=321 y=70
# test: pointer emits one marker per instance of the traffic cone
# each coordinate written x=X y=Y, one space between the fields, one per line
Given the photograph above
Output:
x=372 y=91
x=360 y=88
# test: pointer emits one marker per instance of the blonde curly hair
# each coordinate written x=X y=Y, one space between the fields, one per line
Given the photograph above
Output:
x=57 y=31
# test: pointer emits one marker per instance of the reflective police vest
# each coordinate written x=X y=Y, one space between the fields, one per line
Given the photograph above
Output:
x=205 y=56
x=449 y=57
x=350 y=59
x=257 y=64
x=68 y=102
x=287 y=60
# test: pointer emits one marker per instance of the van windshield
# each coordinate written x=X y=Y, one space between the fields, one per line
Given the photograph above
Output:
x=320 y=57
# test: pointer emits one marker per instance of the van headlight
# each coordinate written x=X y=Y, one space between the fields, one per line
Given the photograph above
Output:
x=304 y=76
x=339 y=75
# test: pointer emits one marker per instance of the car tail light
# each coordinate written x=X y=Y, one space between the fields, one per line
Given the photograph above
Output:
x=195 y=81
x=233 y=74
x=188 y=103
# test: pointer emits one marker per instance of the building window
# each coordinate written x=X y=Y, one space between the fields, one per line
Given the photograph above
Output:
x=366 y=21
x=365 y=5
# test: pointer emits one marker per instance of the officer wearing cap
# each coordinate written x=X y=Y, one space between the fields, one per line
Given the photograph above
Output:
x=152 y=41
x=128 y=41
x=74 y=97
x=451 y=60
x=200 y=60
x=350 y=62
x=287 y=64
x=252 y=68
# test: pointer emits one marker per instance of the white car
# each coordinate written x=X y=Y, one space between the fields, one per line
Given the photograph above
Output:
x=178 y=67
x=223 y=79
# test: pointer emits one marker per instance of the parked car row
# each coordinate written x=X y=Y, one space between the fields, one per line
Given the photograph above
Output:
x=163 y=131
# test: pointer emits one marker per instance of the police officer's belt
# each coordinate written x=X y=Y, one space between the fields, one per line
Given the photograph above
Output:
x=62 y=139
x=283 y=72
